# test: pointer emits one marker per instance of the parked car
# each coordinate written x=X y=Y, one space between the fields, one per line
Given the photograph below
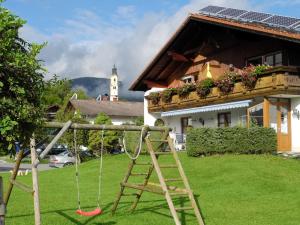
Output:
x=63 y=159
x=67 y=158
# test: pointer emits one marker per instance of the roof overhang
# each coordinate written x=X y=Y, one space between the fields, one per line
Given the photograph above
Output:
x=209 y=108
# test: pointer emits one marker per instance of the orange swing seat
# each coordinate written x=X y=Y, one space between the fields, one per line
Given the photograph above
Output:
x=95 y=212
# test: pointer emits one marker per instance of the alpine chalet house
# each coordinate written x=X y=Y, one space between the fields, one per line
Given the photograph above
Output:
x=227 y=67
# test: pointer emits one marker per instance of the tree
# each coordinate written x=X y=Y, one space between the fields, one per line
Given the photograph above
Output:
x=56 y=91
x=110 y=139
x=21 y=83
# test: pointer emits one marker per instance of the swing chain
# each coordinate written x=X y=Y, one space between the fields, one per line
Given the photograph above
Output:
x=140 y=145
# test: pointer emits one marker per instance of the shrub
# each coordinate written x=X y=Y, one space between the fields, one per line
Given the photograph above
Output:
x=203 y=88
x=184 y=90
x=240 y=140
x=167 y=94
x=226 y=82
x=154 y=97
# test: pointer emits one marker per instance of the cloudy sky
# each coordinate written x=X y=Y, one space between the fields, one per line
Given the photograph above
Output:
x=86 y=37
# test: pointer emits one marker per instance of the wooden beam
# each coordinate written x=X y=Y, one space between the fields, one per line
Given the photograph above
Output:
x=157 y=84
x=13 y=176
x=177 y=56
x=35 y=183
x=54 y=140
x=102 y=127
x=2 y=205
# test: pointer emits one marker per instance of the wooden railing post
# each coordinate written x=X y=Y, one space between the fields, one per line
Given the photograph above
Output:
x=2 y=205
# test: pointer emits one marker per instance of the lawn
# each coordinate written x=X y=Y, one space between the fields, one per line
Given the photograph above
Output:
x=231 y=190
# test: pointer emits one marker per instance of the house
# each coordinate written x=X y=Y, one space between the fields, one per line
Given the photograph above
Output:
x=120 y=112
x=218 y=41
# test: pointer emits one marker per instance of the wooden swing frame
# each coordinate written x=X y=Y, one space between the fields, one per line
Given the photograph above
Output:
x=161 y=188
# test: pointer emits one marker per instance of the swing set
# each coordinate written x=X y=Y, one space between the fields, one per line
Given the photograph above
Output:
x=156 y=148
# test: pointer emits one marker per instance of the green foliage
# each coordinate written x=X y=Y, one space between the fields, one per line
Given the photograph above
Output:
x=56 y=90
x=255 y=140
x=139 y=121
x=110 y=140
x=203 y=88
x=184 y=90
x=81 y=135
x=21 y=85
x=154 y=97
x=167 y=94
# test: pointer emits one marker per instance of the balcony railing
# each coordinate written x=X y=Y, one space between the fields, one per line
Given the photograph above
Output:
x=279 y=80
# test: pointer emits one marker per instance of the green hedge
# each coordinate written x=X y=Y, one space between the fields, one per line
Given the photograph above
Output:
x=206 y=141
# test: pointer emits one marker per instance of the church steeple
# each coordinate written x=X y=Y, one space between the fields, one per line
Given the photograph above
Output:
x=114 y=70
x=114 y=84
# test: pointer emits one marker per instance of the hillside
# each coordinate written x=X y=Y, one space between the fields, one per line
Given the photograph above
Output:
x=95 y=86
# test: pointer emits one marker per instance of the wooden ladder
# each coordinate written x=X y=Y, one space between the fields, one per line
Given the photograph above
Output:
x=166 y=147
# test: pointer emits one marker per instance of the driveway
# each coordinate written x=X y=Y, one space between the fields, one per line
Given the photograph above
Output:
x=5 y=166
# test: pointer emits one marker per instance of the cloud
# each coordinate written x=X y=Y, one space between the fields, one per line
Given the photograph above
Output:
x=88 y=45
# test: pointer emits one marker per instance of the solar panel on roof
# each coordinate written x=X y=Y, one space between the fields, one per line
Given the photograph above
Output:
x=212 y=9
x=232 y=12
x=255 y=16
x=283 y=22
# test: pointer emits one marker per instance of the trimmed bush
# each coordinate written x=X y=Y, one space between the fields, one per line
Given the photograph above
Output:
x=240 y=140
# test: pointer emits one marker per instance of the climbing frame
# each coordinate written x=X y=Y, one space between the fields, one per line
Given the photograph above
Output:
x=166 y=148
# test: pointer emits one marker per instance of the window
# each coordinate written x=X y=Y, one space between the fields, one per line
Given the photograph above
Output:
x=188 y=79
x=255 y=61
x=256 y=115
x=274 y=59
x=224 y=119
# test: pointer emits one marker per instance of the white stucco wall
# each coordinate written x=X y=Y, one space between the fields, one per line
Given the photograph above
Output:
x=295 y=104
x=150 y=118
x=210 y=119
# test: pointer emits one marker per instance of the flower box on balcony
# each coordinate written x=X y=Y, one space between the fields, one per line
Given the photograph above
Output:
x=281 y=80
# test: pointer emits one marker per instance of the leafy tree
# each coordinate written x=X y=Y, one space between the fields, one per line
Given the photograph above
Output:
x=139 y=121
x=110 y=139
x=56 y=91
x=21 y=82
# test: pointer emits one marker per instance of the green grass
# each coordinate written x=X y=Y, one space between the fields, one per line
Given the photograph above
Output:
x=231 y=190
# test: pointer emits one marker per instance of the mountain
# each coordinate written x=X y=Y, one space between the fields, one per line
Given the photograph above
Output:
x=94 y=86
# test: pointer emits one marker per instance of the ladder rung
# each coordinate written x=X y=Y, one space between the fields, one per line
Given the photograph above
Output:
x=173 y=179
x=168 y=166
x=162 y=153
x=158 y=140
x=184 y=208
x=139 y=174
x=22 y=186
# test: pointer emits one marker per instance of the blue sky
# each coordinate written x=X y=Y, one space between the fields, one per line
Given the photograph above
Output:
x=86 y=37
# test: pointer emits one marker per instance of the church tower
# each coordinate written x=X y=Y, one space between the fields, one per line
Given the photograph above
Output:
x=114 y=85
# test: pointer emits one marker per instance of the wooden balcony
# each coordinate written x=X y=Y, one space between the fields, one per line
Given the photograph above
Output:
x=279 y=80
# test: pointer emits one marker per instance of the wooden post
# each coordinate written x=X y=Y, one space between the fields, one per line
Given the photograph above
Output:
x=13 y=176
x=35 y=183
x=2 y=205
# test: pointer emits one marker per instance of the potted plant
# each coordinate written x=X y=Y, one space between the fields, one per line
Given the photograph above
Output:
x=203 y=88
x=250 y=74
x=185 y=90
x=154 y=97
x=167 y=94
x=226 y=82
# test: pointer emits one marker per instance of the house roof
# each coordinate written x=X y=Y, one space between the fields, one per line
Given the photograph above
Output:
x=111 y=108
x=228 y=22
